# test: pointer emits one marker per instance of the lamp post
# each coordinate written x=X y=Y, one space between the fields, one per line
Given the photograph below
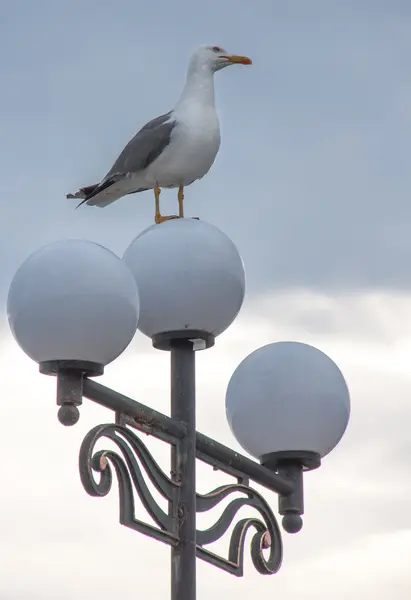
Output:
x=74 y=306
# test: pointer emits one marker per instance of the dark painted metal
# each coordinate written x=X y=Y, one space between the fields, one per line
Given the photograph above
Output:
x=267 y=534
x=308 y=460
x=201 y=340
x=128 y=473
x=280 y=472
x=54 y=367
x=183 y=468
x=292 y=506
x=234 y=460
x=142 y=417
x=69 y=396
x=291 y=465
x=242 y=478
x=70 y=375
x=129 y=464
x=210 y=451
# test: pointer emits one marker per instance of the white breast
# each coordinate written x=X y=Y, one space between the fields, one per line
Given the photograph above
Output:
x=194 y=144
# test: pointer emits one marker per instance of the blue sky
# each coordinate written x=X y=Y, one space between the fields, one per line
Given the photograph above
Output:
x=315 y=136
x=312 y=183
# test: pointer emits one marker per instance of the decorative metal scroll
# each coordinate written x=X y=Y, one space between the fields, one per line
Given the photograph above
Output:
x=267 y=536
x=129 y=474
x=129 y=464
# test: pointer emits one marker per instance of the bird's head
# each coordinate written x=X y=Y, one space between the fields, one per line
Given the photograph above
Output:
x=215 y=58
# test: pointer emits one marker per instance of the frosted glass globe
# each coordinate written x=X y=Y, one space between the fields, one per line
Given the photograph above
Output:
x=73 y=300
x=287 y=396
x=190 y=276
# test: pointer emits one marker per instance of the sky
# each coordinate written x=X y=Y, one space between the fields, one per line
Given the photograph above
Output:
x=311 y=183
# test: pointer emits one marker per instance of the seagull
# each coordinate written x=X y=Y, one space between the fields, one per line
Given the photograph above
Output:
x=174 y=149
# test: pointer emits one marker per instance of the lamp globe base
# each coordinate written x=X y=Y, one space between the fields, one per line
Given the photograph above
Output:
x=86 y=367
x=307 y=460
x=202 y=340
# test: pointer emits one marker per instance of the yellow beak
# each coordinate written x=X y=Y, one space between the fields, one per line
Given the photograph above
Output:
x=241 y=60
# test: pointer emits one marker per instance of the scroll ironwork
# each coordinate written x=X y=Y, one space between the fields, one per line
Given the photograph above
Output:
x=133 y=458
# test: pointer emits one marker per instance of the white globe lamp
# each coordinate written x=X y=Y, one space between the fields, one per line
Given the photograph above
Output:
x=73 y=308
x=287 y=397
x=191 y=281
x=288 y=405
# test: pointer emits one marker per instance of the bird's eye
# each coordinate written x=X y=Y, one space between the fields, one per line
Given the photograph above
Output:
x=217 y=49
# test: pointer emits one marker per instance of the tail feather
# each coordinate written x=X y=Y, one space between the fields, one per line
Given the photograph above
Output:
x=104 y=193
x=84 y=192
x=87 y=193
x=92 y=193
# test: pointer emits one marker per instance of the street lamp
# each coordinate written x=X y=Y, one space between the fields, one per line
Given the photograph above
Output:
x=74 y=306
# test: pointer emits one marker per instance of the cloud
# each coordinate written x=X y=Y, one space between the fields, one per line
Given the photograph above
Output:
x=56 y=529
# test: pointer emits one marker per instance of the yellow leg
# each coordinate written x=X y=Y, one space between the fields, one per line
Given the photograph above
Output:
x=157 y=193
x=158 y=218
x=181 y=202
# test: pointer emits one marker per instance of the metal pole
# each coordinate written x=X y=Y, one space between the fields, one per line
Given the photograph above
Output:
x=150 y=421
x=183 y=461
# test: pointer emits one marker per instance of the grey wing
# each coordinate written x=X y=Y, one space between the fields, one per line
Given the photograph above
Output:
x=139 y=153
x=145 y=147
